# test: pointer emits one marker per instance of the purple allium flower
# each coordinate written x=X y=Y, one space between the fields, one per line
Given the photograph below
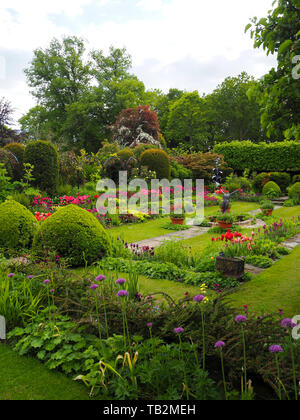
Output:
x=30 y=277
x=47 y=281
x=178 y=330
x=52 y=291
x=94 y=286
x=276 y=349
x=11 y=275
x=241 y=318
x=149 y=325
x=219 y=344
x=280 y=311
x=288 y=323
x=122 y=293
x=100 y=278
x=120 y=281
x=199 y=298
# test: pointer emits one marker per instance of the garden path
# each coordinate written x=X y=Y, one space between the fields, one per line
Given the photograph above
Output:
x=177 y=236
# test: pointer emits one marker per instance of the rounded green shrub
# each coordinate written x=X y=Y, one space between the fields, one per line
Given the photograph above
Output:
x=282 y=179
x=17 y=149
x=157 y=160
x=140 y=149
x=17 y=226
x=125 y=154
x=294 y=192
x=43 y=156
x=271 y=190
x=259 y=181
x=296 y=178
x=74 y=234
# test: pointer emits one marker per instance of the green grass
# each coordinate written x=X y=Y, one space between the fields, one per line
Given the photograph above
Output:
x=140 y=231
x=275 y=288
x=287 y=212
x=24 y=378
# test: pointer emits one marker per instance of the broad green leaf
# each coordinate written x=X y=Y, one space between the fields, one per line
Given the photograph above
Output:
x=285 y=46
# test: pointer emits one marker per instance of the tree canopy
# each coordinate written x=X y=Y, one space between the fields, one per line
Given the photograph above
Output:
x=279 y=90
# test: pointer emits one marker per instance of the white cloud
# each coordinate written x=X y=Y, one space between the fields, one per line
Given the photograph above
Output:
x=150 y=5
x=195 y=28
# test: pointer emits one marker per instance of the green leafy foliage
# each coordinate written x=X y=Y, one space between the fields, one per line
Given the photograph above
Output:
x=20 y=299
x=278 y=92
x=259 y=261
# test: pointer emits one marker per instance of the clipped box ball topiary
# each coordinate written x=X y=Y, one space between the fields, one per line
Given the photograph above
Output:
x=43 y=156
x=296 y=178
x=282 y=179
x=125 y=154
x=157 y=160
x=17 y=226
x=271 y=190
x=294 y=192
x=74 y=234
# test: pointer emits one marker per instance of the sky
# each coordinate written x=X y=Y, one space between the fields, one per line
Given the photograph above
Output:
x=185 y=44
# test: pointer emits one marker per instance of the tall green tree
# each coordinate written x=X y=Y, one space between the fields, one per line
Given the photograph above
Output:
x=279 y=90
x=187 y=122
x=232 y=114
x=163 y=104
x=79 y=95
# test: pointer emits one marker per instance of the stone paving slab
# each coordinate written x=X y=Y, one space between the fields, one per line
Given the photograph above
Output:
x=253 y=270
x=292 y=243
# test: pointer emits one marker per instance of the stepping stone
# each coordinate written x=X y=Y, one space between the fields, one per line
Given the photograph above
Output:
x=292 y=243
x=253 y=270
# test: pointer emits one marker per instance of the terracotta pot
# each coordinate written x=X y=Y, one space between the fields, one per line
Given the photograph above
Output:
x=267 y=212
x=224 y=225
x=176 y=221
x=231 y=267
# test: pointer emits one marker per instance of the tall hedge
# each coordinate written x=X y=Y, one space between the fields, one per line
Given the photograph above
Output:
x=44 y=157
x=18 y=150
x=281 y=156
x=157 y=160
x=7 y=158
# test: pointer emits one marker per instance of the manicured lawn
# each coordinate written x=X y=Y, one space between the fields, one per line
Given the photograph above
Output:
x=287 y=212
x=24 y=378
x=140 y=231
x=275 y=288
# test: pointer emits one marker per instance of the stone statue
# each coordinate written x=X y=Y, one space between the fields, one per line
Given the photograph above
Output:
x=226 y=201
x=217 y=178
